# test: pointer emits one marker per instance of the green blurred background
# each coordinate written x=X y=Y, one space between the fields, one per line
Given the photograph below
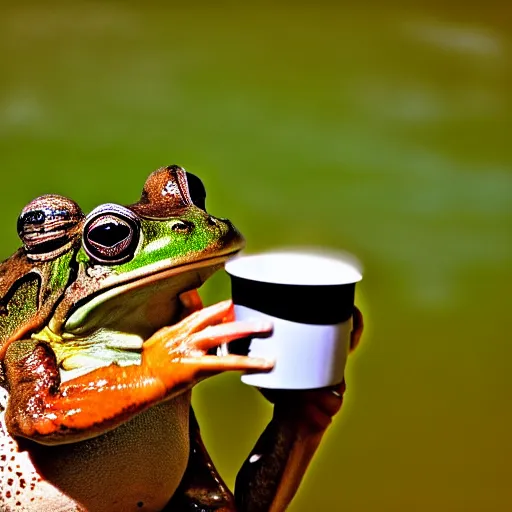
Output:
x=383 y=129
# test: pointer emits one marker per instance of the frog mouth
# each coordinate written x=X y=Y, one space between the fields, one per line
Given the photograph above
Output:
x=149 y=302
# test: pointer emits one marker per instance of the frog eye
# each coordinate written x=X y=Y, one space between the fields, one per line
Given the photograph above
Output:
x=48 y=225
x=196 y=190
x=111 y=234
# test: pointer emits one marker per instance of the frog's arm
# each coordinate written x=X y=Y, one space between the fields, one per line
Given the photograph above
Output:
x=43 y=409
x=201 y=488
x=271 y=475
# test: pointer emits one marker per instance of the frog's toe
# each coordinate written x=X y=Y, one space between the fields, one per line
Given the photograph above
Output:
x=211 y=365
x=213 y=336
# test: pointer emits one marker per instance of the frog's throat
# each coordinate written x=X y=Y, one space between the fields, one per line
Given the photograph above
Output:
x=176 y=280
x=113 y=325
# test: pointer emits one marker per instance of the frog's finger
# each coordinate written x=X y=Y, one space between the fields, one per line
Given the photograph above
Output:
x=224 y=333
x=355 y=336
x=196 y=321
x=205 y=317
x=216 y=364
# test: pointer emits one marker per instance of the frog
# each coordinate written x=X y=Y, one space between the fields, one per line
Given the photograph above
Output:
x=103 y=336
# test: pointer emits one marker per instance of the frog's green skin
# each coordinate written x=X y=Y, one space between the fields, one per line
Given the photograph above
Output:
x=95 y=394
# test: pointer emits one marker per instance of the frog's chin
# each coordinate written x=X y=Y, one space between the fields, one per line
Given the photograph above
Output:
x=114 y=332
x=140 y=307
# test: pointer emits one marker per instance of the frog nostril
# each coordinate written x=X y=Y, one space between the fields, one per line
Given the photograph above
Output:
x=182 y=226
x=212 y=221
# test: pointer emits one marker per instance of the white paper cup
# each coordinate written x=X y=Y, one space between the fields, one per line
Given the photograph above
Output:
x=309 y=298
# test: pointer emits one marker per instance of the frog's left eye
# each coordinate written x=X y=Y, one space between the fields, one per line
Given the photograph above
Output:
x=48 y=226
x=111 y=234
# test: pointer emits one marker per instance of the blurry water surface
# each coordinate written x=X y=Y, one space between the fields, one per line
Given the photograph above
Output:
x=382 y=129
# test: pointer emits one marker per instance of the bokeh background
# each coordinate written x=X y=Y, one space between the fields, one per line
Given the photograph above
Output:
x=382 y=128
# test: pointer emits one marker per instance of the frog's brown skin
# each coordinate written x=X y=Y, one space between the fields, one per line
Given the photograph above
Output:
x=117 y=437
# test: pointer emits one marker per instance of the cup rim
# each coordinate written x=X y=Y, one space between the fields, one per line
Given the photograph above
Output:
x=323 y=268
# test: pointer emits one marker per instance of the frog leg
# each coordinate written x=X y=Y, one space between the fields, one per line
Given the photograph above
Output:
x=271 y=475
x=202 y=488
x=174 y=359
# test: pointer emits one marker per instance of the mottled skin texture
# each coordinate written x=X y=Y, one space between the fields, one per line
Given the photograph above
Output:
x=103 y=337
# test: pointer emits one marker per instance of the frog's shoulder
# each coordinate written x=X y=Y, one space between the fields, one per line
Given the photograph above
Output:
x=19 y=287
x=12 y=270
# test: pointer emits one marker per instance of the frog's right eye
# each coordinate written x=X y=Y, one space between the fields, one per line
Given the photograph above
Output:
x=196 y=190
x=111 y=234
x=48 y=225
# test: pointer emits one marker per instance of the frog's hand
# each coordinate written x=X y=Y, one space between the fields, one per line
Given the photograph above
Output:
x=201 y=488
x=271 y=475
x=173 y=360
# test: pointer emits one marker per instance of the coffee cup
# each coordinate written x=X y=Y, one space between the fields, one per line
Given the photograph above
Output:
x=309 y=299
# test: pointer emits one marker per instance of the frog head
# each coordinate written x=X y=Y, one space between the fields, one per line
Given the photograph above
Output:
x=113 y=277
